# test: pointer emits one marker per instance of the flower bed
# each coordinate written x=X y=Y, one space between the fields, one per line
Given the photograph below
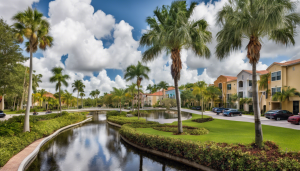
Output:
x=200 y=120
x=219 y=156
x=187 y=130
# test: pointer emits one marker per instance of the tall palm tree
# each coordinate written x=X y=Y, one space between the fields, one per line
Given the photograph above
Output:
x=131 y=89
x=163 y=85
x=31 y=25
x=60 y=80
x=97 y=93
x=139 y=72
x=93 y=94
x=149 y=87
x=254 y=20
x=200 y=89
x=284 y=95
x=214 y=93
x=81 y=95
x=171 y=30
x=42 y=98
x=67 y=97
x=78 y=86
x=118 y=94
x=36 y=79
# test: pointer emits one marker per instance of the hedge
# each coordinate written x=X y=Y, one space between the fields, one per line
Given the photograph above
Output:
x=219 y=156
x=13 y=140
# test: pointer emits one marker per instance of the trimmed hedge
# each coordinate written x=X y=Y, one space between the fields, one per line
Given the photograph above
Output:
x=215 y=155
x=186 y=130
x=115 y=113
x=13 y=140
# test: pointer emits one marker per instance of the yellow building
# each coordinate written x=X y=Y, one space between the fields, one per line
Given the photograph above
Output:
x=227 y=85
x=282 y=75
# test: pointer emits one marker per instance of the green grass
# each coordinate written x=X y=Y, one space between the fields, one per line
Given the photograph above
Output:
x=235 y=132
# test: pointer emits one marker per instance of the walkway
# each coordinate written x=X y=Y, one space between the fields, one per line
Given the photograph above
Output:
x=247 y=118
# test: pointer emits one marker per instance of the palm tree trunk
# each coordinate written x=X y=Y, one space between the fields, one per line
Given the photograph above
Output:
x=2 y=102
x=23 y=89
x=202 y=106
x=26 y=121
x=81 y=102
x=77 y=98
x=138 y=96
x=178 y=105
x=14 y=102
x=132 y=103
x=258 y=129
x=59 y=100
x=120 y=106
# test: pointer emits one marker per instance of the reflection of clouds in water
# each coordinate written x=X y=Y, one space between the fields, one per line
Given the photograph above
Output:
x=165 y=116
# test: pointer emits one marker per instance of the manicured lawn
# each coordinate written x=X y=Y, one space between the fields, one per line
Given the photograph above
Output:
x=236 y=132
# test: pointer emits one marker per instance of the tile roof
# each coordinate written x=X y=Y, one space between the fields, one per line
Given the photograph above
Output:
x=288 y=62
x=159 y=93
x=170 y=88
x=49 y=95
x=230 y=78
x=259 y=71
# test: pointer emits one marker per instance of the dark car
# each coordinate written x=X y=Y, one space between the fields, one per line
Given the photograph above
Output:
x=2 y=114
x=232 y=112
x=214 y=109
x=220 y=110
x=196 y=107
x=294 y=119
x=99 y=105
x=278 y=114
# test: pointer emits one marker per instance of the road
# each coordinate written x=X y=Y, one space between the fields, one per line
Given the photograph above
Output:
x=247 y=118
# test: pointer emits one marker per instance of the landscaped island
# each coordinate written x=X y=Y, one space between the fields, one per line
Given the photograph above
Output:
x=227 y=146
x=13 y=140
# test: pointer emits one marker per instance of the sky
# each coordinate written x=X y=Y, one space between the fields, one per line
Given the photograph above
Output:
x=95 y=40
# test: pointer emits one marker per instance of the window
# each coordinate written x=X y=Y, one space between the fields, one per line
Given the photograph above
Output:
x=293 y=68
x=228 y=97
x=250 y=83
x=240 y=83
x=276 y=76
x=242 y=77
x=275 y=90
x=220 y=86
x=240 y=94
x=250 y=94
x=228 y=86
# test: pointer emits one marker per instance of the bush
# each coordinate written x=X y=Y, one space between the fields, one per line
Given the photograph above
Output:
x=186 y=130
x=115 y=113
x=14 y=140
x=219 y=156
x=200 y=120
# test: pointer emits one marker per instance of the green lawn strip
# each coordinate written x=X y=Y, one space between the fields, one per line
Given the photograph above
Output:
x=235 y=132
x=13 y=140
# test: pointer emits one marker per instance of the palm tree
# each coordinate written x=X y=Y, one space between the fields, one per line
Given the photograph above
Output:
x=42 y=98
x=31 y=25
x=284 y=94
x=140 y=72
x=149 y=87
x=214 y=93
x=254 y=20
x=78 y=86
x=36 y=97
x=233 y=98
x=60 y=79
x=81 y=95
x=93 y=94
x=200 y=89
x=163 y=85
x=131 y=90
x=118 y=94
x=97 y=92
x=67 y=97
x=172 y=31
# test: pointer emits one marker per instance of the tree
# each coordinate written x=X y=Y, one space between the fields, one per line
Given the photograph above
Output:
x=93 y=94
x=200 y=89
x=78 y=86
x=81 y=95
x=10 y=57
x=140 y=72
x=97 y=93
x=42 y=92
x=67 y=97
x=186 y=95
x=254 y=20
x=163 y=85
x=214 y=93
x=284 y=94
x=31 y=25
x=60 y=80
x=118 y=94
x=233 y=98
x=168 y=103
x=131 y=90
x=172 y=30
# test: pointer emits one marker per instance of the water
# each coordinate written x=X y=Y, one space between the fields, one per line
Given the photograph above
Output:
x=163 y=116
x=97 y=146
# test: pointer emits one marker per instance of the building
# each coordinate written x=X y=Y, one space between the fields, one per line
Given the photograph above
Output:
x=170 y=93
x=227 y=85
x=244 y=87
x=151 y=99
x=282 y=75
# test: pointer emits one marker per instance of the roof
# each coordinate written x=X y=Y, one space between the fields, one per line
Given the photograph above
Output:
x=159 y=93
x=230 y=78
x=48 y=95
x=170 y=88
x=259 y=71
x=288 y=63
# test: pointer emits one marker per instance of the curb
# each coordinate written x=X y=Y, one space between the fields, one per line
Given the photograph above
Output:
x=33 y=154
x=114 y=124
x=169 y=156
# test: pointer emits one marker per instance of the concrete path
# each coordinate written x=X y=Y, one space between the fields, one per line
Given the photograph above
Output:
x=68 y=110
x=247 y=118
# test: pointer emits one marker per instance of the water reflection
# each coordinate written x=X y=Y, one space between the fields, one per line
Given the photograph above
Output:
x=163 y=116
x=97 y=146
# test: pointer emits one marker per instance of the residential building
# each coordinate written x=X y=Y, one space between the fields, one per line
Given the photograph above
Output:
x=244 y=87
x=283 y=75
x=170 y=93
x=224 y=83
x=151 y=99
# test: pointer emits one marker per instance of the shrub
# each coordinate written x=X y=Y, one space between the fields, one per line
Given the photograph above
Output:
x=200 y=120
x=219 y=156
x=115 y=113
x=186 y=130
x=40 y=126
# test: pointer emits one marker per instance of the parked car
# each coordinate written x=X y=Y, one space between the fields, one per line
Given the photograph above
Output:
x=278 y=114
x=220 y=110
x=294 y=119
x=214 y=109
x=196 y=107
x=2 y=114
x=99 y=105
x=232 y=112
